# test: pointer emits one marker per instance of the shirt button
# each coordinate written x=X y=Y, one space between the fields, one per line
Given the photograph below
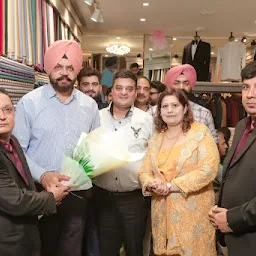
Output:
x=117 y=190
x=116 y=178
x=115 y=129
x=120 y=122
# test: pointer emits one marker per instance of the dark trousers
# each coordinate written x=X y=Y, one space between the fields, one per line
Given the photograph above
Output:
x=62 y=233
x=121 y=219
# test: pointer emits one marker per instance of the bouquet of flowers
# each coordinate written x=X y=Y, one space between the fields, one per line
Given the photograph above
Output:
x=96 y=153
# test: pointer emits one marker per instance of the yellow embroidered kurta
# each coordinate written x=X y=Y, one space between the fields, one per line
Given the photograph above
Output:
x=180 y=224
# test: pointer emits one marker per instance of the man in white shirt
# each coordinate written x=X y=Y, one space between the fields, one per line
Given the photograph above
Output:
x=122 y=209
x=143 y=96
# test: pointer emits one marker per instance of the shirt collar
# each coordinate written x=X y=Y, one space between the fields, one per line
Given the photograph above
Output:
x=50 y=92
x=110 y=109
x=250 y=123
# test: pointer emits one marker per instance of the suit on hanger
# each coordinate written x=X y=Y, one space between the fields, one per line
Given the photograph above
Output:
x=201 y=60
x=238 y=194
x=20 y=206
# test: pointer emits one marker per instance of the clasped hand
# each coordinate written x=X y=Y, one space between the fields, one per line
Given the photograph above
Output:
x=159 y=187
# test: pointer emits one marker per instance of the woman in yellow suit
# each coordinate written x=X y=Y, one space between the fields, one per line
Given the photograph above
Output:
x=181 y=162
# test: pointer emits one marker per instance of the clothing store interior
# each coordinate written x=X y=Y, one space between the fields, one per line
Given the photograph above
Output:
x=152 y=37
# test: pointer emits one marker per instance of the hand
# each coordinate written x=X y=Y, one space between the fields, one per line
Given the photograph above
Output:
x=58 y=192
x=218 y=218
x=53 y=178
x=158 y=187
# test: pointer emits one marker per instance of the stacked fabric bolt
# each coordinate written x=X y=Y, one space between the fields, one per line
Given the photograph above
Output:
x=41 y=79
x=17 y=78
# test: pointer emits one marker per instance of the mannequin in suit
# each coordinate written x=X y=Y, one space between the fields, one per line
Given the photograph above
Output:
x=235 y=215
x=20 y=204
x=198 y=54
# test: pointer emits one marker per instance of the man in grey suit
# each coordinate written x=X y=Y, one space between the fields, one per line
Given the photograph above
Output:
x=20 y=204
x=235 y=215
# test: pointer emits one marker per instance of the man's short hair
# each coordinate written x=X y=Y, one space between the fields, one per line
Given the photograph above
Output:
x=3 y=91
x=125 y=74
x=144 y=77
x=111 y=61
x=249 y=71
x=88 y=72
x=134 y=65
x=160 y=87
x=108 y=91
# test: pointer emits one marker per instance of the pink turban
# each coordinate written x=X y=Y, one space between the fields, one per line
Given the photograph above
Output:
x=58 y=49
x=187 y=70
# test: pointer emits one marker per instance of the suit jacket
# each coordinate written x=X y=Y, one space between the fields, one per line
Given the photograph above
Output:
x=238 y=194
x=20 y=205
x=201 y=61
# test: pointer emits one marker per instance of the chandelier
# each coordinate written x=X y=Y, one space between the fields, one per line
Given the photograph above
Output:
x=118 y=49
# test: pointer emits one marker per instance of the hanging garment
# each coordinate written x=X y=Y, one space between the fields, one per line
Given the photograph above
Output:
x=201 y=59
x=232 y=57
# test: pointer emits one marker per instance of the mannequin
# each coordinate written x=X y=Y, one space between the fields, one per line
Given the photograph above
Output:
x=198 y=54
x=232 y=57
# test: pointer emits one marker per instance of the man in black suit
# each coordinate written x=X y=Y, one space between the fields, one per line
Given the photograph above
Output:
x=20 y=204
x=235 y=215
x=198 y=54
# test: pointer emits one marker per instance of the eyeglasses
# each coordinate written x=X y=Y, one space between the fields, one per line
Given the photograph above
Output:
x=7 y=110
x=152 y=93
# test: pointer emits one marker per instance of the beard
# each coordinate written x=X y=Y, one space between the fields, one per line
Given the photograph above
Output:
x=62 y=88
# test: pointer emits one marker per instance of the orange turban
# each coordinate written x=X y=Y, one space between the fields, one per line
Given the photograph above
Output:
x=187 y=70
x=58 y=49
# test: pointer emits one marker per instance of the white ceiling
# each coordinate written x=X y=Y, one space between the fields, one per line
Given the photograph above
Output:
x=178 y=18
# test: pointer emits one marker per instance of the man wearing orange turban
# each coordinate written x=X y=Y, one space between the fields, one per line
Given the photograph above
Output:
x=184 y=77
x=49 y=122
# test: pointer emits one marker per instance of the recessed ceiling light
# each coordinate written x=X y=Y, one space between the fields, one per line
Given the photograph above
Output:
x=105 y=55
x=150 y=49
x=212 y=52
x=118 y=38
x=145 y=4
x=174 y=38
x=207 y=13
x=255 y=21
x=142 y=19
x=236 y=40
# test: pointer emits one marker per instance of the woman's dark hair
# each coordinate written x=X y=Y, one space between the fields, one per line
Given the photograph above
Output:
x=160 y=125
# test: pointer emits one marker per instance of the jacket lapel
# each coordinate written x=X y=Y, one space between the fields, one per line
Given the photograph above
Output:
x=251 y=138
x=190 y=52
x=22 y=157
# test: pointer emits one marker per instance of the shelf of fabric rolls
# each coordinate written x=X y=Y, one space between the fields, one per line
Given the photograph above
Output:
x=217 y=87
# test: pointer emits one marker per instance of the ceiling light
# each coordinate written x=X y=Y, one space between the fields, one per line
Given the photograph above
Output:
x=174 y=38
x=118 y=49
x=146 y=4
x=105 y=55
x=95 y=15
x=207 y=13
x=118 y=38
x=150 y=49
x=89 y=2
x=212 y=52
x=142 y=19
x=236 y=40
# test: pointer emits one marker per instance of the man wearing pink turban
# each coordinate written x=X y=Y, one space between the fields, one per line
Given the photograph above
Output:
x=184 y=77
x=49 y=122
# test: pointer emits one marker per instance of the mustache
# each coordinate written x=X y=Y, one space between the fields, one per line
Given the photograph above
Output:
x=140 y=95
x=64 y=77
x=90 y=91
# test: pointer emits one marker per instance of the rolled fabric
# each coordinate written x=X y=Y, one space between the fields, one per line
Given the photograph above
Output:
x=187 y=70
x=58 y=49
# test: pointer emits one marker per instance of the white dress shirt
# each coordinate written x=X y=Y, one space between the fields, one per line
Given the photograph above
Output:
x=125 y=179
x=193 y=50
x=232 y=56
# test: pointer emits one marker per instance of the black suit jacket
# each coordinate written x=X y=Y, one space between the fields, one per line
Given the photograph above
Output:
x=201 y=61
x=20 y=205
x=238 y=194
